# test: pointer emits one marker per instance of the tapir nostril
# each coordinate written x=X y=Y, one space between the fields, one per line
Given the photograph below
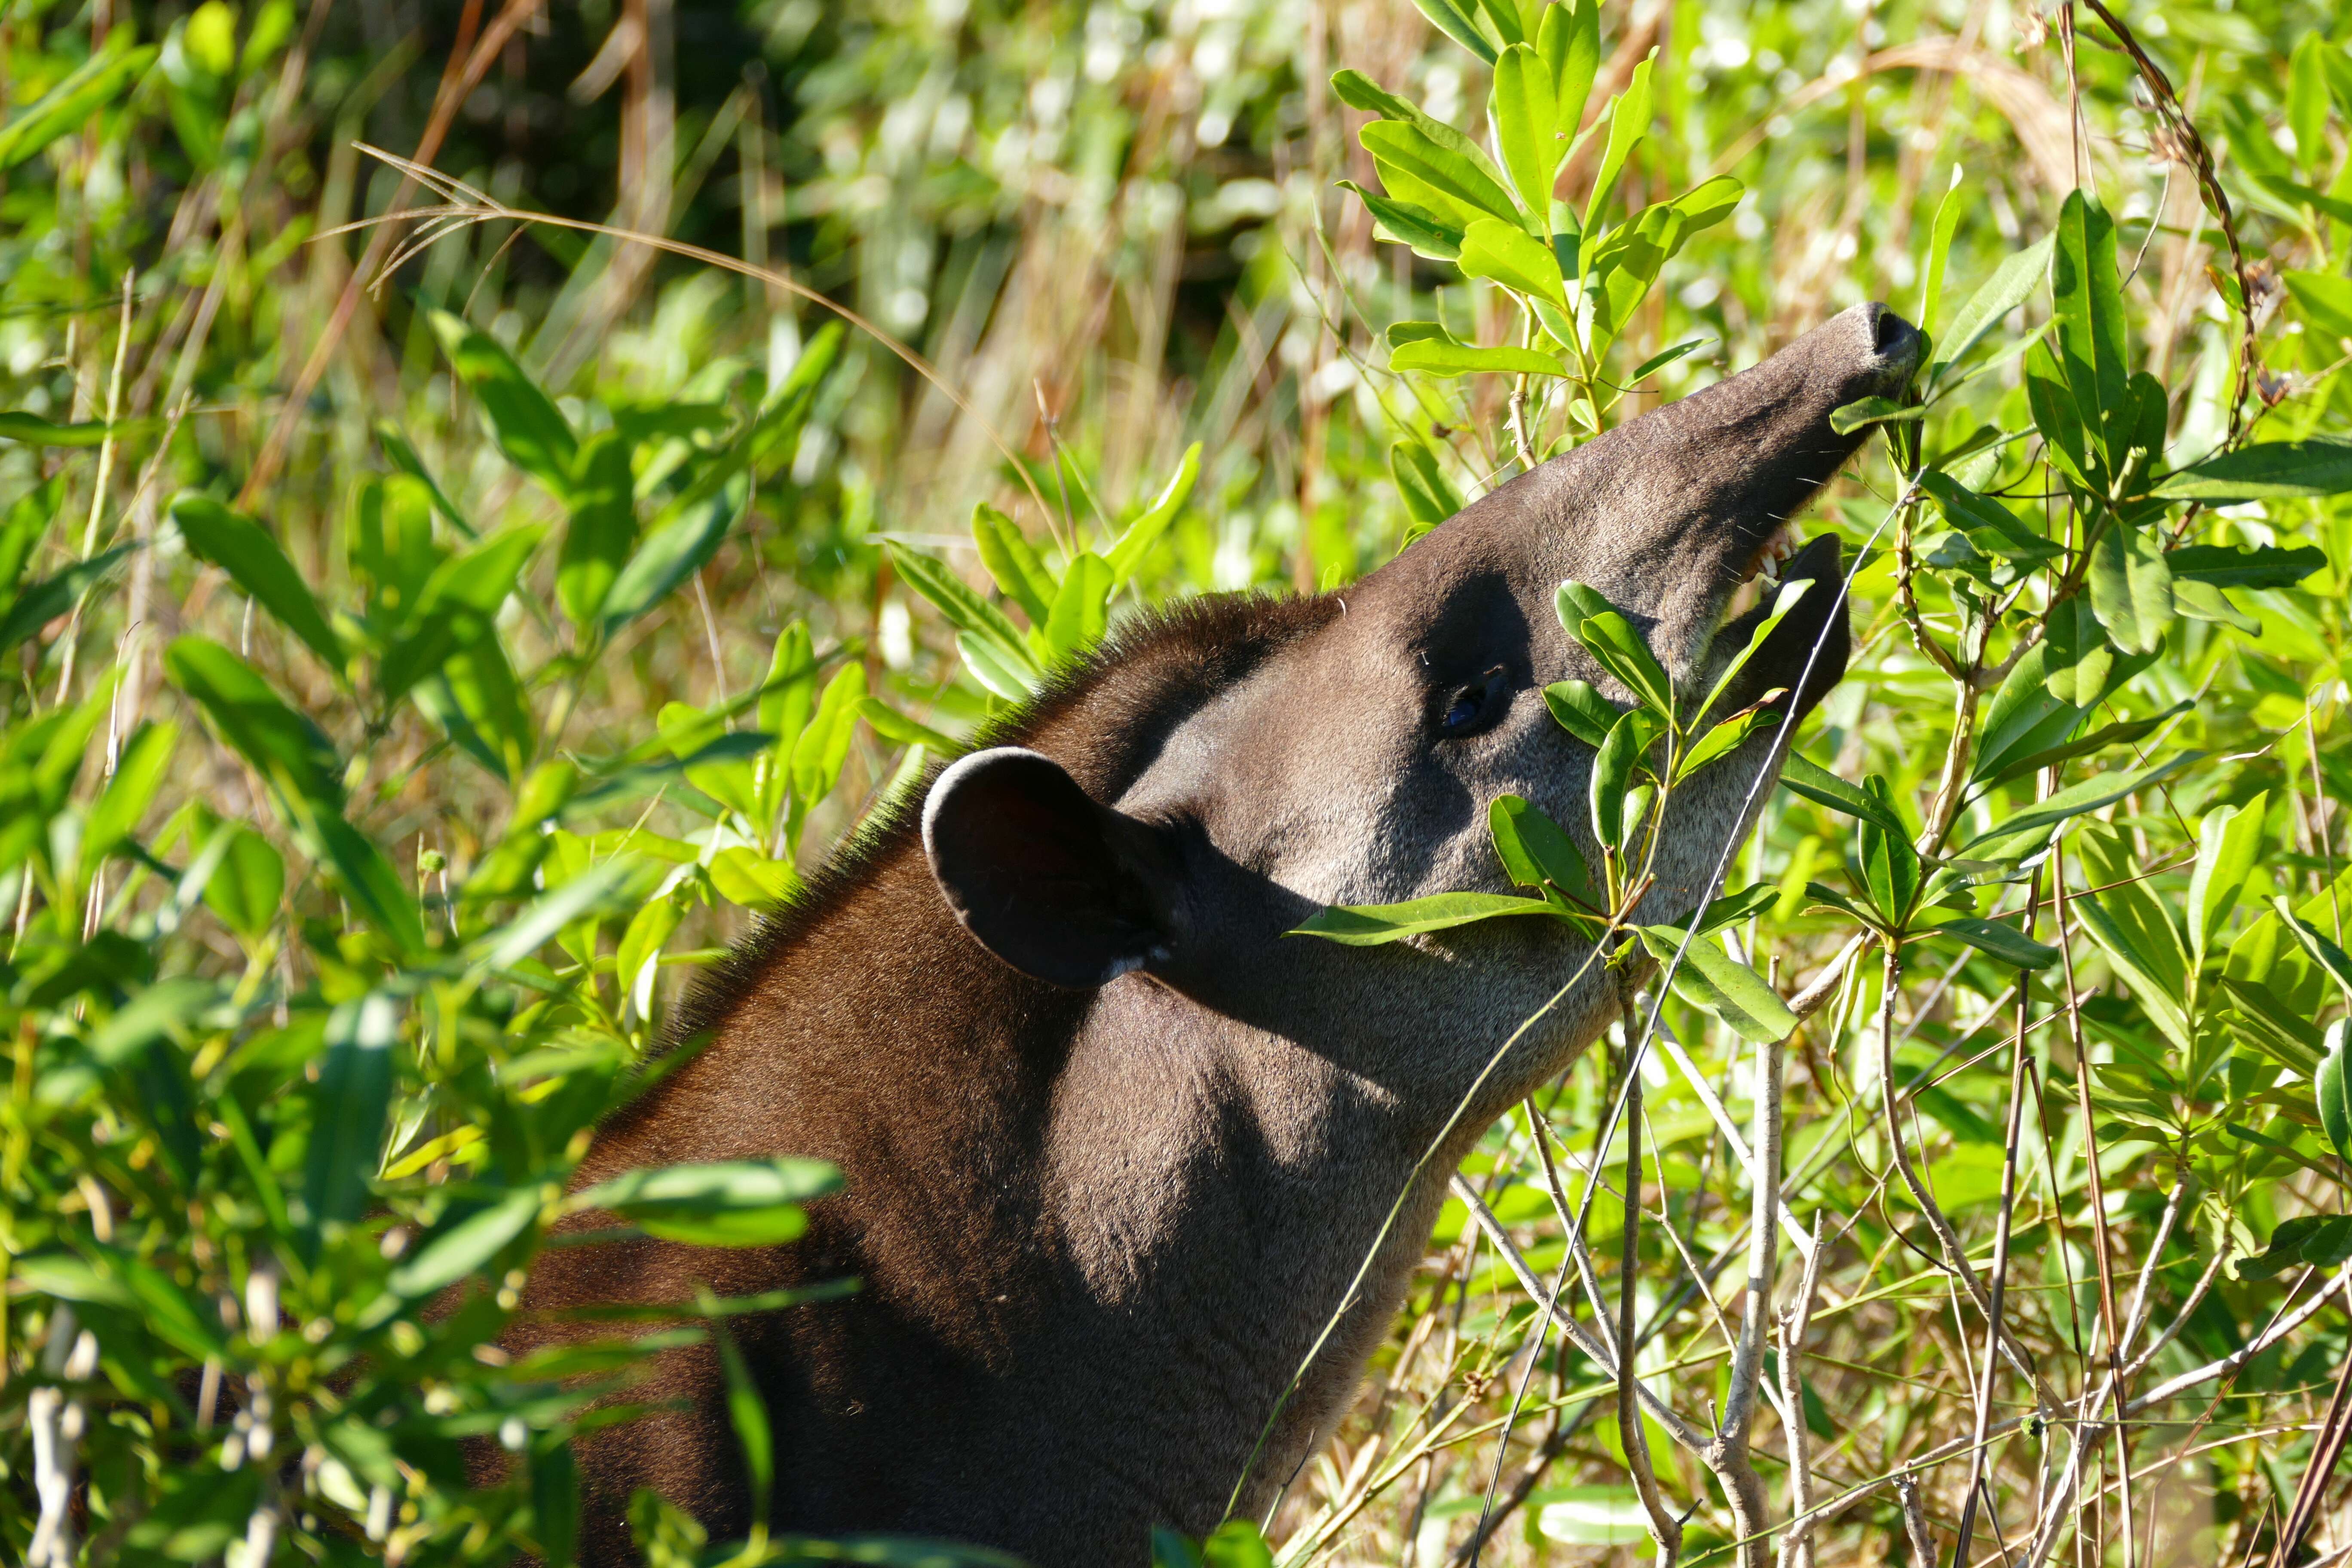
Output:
x=1896 y=345
x=1888 y=331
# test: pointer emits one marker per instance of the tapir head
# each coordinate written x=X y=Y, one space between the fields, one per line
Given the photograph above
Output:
x=1355 y=763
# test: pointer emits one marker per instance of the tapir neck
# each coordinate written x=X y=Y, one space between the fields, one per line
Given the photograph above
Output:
x=1221 y=1195
x=1099 y=1235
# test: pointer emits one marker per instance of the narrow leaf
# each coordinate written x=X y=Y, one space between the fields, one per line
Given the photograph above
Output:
x=2012 y=283
x=2131 y=589
x=240 y=547
x=1370 y=925
x=2274 y=470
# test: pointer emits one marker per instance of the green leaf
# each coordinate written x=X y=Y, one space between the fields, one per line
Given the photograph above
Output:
x=1710 y=978
x=1939 y=245
x=1236 y=1543
x=68 y=106
x=1581 y=710
x=1620 y=268
x=1359 y=92
x=457 y=606
x=1602 y=630
x=1823 y=787
x=2330 y=957
x=1665 y=357
x=749 y=880
x=1989 y=525
x=1450 y=20
x=2227 y=566
x=966 y=610
x=1569 y=39
x=1719 y=741
x=1870 y=411
x=2322 y=1241
x=2060 y=421
x=46 y=600
x=2227 y=842
x=2086 y=295
x=747 y=1412
x=1370 y=925
x=1419 y=169
x=1429 y=498
x=2124 y=732
x=2306 y=100
x=1890 y=866
x=2131 y=589
x=2335 y=1093
x=1403 y=223
x=348 y=1107
x=1629 y=121
x=602 y=528
x=894 y=726
x=1009 y=673
x=2294 y=196
x=2324 y=298
x=1614 y=768
x=1527 y=118
x=2026 y=831
x=1081 y=610
x=604 y=887
x=1535 y=850
x=731 y=1203
x=2050 y=689
x=1015 y=565
x=1504 y=253
x=365 y=877
x=530 y=430
x=138 y=776
x=1785 y=599
x=1733 y=908
x=403 y=455
x=65 y=1277
x=476 y=698
x=32 y=430
x=240 y=547
x=2273 y=471
x=246 y=887
x=283 y=746
x=464 y=1245
x=2012 y=284
x=676 y=548
x=823 y=747
x=1998 y=939
x=1126 y=551
x=2139 y=931
x=1444 y=356
x=555 y=1503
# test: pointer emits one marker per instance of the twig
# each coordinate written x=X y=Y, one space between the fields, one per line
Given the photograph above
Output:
x=2013 y=1137
x=2097 y=1192
x=1728 y=1456
x=1665 y=1528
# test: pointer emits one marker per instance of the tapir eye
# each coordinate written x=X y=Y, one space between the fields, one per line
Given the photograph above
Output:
x=1467 y=710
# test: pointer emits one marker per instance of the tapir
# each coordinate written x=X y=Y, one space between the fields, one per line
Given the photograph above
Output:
x=1117 y=1147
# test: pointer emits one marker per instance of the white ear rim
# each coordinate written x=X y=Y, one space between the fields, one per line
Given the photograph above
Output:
x=953 y=774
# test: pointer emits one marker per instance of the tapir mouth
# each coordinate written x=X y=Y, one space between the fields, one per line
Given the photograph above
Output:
x=1806 y=654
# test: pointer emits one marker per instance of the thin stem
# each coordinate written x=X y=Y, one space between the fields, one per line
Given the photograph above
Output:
x=2013 y=1137
x=1665 y=1528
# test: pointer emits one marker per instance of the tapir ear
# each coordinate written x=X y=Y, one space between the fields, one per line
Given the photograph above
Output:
x=1055 y=885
